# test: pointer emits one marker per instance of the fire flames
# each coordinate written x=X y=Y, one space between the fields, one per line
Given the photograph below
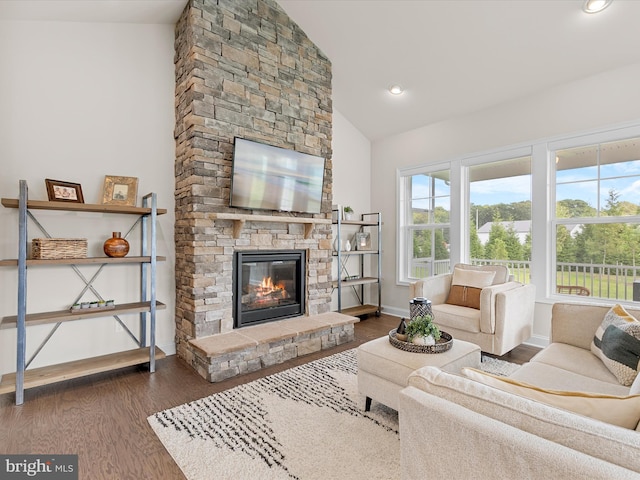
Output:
x=268 y=289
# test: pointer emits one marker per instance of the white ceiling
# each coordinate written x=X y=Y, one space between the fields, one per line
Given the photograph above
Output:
x=453 y=57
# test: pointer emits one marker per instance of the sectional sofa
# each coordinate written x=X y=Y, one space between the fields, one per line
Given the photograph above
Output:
x=457 y=427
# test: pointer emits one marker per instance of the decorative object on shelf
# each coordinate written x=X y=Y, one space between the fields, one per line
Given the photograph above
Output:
x=422 y=331
x=401 y=331
x=120 y=190
x=110 y=303
x=84 y=305
x=348 y=213
x=445 y=343
x=116 y=246
x=347 y=246
x=351 y=277
x=59 y=191
x=336 y=246
x=58 y=248
x=93 y=304
x=362 y=240
x=336 y=211
x=75 y=306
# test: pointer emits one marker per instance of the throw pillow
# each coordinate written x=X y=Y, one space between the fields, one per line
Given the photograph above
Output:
x=621 y=411
x=617 y=344
x=466 y=286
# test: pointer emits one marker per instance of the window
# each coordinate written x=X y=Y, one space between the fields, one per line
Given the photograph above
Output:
x=597 y=219
x=425 y=208
x=500 y=215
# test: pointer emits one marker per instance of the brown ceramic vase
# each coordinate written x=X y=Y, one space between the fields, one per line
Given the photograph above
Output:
x=116 y=246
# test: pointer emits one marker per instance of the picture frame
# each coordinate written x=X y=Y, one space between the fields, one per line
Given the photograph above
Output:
x=362 y=241
x=120 y=190
x=60 y=191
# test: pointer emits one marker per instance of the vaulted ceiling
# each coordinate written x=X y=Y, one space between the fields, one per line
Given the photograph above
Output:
x=453 y=57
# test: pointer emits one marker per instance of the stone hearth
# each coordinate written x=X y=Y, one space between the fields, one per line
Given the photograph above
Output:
x=245 y=69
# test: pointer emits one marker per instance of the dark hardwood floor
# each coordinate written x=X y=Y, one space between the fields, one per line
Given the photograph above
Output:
x=102 y=418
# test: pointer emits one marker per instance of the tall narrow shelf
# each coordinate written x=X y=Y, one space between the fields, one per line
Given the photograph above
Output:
x=146 y=351
x=370 y=223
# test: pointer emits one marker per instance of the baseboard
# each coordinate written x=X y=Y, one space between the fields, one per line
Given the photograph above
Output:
x=397 y=312
x=538 y=341
x=168 y=349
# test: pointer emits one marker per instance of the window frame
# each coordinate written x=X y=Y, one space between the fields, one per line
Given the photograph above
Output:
x=543 y=200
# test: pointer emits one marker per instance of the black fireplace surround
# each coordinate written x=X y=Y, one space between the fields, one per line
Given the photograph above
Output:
x=268 y=285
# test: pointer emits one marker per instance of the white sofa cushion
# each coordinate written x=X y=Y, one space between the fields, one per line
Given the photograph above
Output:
x=555 y=378
x=576 y=360
x=623 y=411
x=611 y=443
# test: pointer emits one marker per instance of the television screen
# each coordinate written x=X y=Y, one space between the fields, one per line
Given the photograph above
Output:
x=273 y=178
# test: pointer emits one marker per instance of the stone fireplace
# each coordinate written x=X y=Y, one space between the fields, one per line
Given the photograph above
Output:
x=245 y=69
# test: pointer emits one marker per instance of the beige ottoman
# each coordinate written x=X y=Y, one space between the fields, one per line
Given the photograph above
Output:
x=383 y=369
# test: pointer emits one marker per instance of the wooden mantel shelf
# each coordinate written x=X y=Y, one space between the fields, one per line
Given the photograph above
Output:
x=239 y=220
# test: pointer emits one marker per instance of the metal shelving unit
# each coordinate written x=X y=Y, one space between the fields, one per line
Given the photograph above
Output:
x=371 y=222
x=146 y=308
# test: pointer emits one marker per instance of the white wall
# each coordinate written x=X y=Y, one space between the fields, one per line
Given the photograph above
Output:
x=609 y=98
x=80 y=101
x=351 y=180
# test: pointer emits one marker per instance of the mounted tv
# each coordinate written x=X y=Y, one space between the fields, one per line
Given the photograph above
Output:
x=265 y=177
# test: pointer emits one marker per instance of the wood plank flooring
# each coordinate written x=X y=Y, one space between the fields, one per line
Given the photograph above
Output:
x=102 y=418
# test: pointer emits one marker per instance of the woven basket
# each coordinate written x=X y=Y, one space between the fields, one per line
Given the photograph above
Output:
x=442 y=345
x=58 y=248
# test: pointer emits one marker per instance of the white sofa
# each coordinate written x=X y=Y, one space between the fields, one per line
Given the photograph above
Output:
x=467 y=429
x=505 y=317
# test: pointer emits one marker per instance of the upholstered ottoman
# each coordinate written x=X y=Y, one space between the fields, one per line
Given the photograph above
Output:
x=383 y=369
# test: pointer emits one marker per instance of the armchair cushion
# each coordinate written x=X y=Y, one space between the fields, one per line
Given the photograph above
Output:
x=467 y=285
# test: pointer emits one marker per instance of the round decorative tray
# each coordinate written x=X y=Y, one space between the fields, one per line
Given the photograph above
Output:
x=442 y=345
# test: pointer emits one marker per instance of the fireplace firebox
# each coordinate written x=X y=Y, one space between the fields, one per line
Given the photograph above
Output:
x=268 y=285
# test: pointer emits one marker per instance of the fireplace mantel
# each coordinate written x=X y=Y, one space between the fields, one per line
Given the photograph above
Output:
x=240 y=219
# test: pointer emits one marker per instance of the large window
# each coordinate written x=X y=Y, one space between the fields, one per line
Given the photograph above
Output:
x=597 y=219
x=425 y=215
x=500 y=214
x=562 y=213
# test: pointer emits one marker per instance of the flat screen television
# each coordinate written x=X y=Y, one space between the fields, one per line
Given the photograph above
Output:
x=265 y=177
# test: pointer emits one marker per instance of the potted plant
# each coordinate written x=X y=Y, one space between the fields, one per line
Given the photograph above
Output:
x=348 y=213
x=422 y=331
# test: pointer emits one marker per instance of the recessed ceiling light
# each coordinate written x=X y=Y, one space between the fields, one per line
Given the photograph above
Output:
x=396 y=90
x=595 y=6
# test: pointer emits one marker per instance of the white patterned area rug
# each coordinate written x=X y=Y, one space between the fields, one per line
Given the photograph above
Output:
x=304 y=423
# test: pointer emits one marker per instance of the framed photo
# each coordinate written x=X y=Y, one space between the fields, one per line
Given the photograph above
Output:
x=59 y=191
x=362 y=241
x=120 y=190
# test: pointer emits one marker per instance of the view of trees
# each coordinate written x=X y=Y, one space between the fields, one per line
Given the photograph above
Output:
x=591 y=243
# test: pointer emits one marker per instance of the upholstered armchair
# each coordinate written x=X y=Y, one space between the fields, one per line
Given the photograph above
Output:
x=480 y=304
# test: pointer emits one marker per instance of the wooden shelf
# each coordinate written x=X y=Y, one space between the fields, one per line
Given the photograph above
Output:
x=356 y=252
x=66 y=316
x=81 y=261
x=360 y=310
x=80 y=207
x=240 y=219
x=360 y=223
x=78 y=368
x=359 y=281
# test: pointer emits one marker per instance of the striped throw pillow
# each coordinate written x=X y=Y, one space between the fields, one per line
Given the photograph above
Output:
x=617 y=344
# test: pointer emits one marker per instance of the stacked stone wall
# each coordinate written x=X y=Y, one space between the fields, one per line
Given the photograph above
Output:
x=243 y=69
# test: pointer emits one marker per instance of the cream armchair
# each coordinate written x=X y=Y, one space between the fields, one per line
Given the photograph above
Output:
x=504 y=319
